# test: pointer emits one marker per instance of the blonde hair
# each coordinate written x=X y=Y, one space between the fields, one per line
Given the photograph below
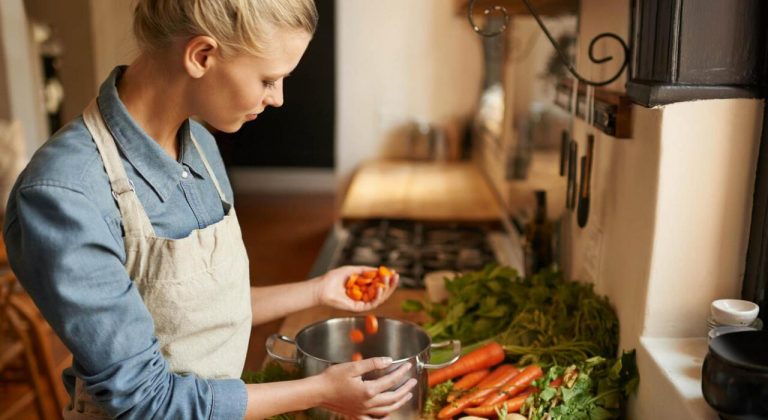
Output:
x=239 y=26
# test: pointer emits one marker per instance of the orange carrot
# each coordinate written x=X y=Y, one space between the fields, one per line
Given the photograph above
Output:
x=515 y=385
x=356 y=336
x=364 y=286
x=356 y=356
x=484 y=357
x=500 y=370
x=371 y=324
x=456 y=407
x=513 y=405
x=484 y=390
x=468 y=381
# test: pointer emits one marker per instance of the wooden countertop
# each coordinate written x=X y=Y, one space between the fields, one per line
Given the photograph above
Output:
x=452 y=191
x=390 y=309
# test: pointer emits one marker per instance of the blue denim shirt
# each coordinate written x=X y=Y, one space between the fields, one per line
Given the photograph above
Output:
x=64 y=238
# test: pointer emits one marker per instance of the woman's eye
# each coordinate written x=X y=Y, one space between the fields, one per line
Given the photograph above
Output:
x=269 y=84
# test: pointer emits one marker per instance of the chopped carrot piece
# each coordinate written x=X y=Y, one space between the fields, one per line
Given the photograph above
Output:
x=371 y=324
x=364 y=280
x=356 y=356
x=356 y=336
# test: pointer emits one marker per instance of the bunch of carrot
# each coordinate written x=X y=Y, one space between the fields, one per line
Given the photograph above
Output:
x=364 y=286
x=482 y=390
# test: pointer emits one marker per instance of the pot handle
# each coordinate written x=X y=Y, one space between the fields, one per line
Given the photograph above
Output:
x=270 y=344
x=456 y=353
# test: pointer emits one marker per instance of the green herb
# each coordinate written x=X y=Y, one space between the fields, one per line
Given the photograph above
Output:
x=594 y=389
x=542 y=319
x=437 y=396
x=272 y=372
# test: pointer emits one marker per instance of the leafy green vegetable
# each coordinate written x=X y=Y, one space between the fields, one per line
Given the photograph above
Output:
x=542 y=319
x=594 y=389
x=437 y=396
x=272 y=372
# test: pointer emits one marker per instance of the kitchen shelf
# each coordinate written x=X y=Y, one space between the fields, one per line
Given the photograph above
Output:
x=516 y=7
x=612 y=113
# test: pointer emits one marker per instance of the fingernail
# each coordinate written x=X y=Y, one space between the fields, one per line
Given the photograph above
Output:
x=386 y=360
x=410 y=395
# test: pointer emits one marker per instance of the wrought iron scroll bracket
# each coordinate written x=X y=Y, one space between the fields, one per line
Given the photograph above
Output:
x=563 y=57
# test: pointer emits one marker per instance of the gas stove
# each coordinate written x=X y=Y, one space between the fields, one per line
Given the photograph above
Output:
x=416 y=248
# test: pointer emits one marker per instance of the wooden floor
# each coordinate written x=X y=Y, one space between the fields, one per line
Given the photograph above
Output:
x=283 y=235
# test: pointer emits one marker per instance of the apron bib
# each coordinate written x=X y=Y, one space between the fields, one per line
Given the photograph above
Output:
x=197 y=288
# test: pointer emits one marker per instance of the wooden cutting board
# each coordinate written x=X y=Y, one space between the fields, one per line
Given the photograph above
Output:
x=420 y=191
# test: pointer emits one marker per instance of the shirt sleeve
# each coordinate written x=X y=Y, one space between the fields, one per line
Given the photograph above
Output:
x=70 y=263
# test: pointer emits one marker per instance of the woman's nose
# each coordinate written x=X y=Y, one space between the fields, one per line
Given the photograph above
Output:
x=275 y=97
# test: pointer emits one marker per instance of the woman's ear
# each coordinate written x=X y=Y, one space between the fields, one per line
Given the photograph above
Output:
x=200 y=53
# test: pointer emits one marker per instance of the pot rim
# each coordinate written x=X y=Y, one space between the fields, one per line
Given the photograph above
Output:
x=417 y=326
x=720 y=351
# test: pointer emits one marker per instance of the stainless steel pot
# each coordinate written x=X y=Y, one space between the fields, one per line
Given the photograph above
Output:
x=326 y=343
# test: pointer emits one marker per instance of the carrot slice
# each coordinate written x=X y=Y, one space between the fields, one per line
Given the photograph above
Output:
x=356 y=336
x=356 y=356
x=371 y=324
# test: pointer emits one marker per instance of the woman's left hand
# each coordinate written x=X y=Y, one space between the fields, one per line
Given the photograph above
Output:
x=330 y=291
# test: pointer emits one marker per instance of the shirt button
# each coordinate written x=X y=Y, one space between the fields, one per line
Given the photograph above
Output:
x=184 y=174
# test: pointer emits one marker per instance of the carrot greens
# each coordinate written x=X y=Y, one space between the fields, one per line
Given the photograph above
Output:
x=542 y=319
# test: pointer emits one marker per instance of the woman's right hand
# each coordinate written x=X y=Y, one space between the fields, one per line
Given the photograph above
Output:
x=347 y=393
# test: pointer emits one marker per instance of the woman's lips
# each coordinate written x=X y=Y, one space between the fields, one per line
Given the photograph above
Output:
x=251 y=117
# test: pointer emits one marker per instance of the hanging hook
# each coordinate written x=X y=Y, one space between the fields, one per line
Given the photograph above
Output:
x=563 y=57
x=488 y=34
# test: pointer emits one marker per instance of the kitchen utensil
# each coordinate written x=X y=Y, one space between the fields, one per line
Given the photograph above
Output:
x=571 y=188
x=734 y=377
x=734 y=312
x=563 y=152
x=582 y=213
x=567 y=149
x=326 y=343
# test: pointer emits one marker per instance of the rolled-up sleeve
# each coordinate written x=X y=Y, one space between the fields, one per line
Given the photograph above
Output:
x=67 y=258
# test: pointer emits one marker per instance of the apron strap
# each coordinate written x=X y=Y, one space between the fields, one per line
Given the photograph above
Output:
x=135 y=219
x=208 y=168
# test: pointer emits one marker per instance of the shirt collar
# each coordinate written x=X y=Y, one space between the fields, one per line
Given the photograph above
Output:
x=150 y=160
x=190 y=155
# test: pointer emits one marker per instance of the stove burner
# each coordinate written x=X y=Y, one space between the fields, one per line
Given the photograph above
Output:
x=412 y=249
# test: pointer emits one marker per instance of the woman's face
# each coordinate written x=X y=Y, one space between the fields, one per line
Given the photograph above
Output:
x=237 y=89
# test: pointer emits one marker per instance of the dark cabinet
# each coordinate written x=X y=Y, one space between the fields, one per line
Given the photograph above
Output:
x=697 y=49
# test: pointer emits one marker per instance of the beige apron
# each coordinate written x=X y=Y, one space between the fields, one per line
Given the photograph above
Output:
x=196 y=288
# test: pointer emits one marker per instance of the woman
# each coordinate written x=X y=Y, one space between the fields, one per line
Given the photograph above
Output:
x=122 y=229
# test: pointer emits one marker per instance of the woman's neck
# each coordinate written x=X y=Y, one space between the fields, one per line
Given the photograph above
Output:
x=153 y=97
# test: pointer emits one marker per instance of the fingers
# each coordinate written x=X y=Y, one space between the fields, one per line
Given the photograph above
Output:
x=389 y=398
x=384 y=410
x=367 y=365
x=389 y=380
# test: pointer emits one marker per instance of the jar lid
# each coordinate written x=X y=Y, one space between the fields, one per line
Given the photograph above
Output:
x=745 y=349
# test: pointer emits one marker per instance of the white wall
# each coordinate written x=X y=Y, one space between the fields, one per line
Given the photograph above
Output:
x=22 y=92
x=398 y=60
x=114 y=44
x=670 y=215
